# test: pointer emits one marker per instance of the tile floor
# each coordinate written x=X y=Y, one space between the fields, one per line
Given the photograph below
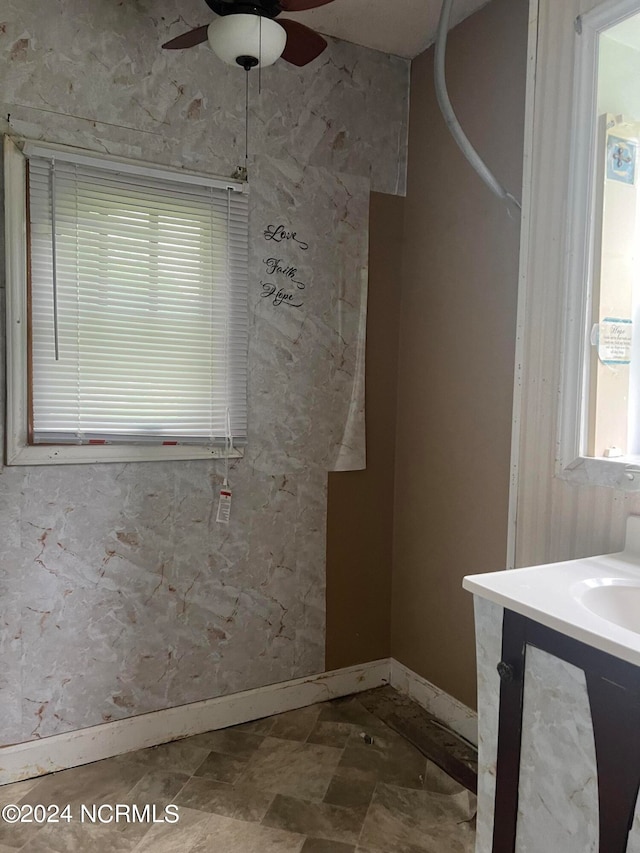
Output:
x=302 y=782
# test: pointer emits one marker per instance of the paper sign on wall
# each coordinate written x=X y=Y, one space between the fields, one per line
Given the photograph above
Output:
x=621 y=160
x=614 y=340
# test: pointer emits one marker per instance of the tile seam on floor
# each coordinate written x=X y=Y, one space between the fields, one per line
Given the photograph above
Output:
x=359 y=841
x=326 y=791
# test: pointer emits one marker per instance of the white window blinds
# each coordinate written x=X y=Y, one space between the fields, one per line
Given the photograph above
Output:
x=138 y=305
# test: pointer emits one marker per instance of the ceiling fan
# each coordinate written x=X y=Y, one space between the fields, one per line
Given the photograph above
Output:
x=246 y=33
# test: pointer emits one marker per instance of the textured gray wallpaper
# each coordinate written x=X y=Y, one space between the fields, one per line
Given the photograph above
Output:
x=119 y=594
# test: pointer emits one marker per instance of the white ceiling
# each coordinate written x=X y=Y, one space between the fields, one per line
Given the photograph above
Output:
x=402 y=27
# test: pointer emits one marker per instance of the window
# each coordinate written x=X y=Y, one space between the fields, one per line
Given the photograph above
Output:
x=600 y=428
x=128 y=326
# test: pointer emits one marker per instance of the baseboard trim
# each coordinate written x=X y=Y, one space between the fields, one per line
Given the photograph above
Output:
x=72 y=749
x=444 y=707
x=59 y=752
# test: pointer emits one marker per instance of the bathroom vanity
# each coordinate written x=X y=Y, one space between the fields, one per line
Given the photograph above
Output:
x=558 y=649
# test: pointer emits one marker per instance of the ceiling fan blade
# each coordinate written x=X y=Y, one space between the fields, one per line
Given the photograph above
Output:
x=303 y=44
x=301 y=5
x=190 y=39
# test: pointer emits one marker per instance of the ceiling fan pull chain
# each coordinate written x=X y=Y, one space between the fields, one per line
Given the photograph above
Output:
x=260 y=59
x=246 y=123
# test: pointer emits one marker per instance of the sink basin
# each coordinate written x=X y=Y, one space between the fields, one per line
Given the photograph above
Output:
x=614 y=599
x=595 y=600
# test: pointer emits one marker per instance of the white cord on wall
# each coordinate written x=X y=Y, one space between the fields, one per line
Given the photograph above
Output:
x=450 y=117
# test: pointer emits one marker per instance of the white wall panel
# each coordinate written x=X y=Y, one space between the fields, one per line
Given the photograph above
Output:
x=555 y=519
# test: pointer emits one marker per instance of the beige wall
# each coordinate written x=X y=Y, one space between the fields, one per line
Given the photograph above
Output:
x=360 y=508
x=457 y=334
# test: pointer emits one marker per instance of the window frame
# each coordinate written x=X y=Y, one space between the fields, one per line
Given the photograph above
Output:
x=572 y=464
x=18 y=450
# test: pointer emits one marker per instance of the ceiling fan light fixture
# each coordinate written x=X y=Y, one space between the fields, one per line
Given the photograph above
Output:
x=237 y=38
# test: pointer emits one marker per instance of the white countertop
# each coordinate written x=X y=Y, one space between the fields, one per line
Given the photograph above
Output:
x=551 y=594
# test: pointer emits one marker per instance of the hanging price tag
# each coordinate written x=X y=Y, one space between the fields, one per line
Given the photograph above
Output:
x=224 y=507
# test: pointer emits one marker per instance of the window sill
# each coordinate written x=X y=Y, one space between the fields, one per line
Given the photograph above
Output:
x=622 y=473
x=90 y=454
